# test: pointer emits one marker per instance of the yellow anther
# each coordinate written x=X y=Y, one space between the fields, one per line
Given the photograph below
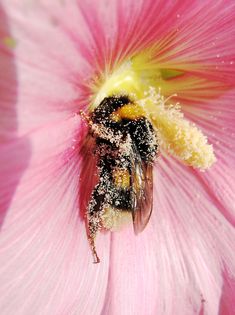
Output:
x=177 y=135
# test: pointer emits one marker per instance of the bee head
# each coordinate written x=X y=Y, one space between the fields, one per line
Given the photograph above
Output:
x=102 y=113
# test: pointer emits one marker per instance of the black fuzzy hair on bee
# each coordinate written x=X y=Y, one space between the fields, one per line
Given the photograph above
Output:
x=107 y=107
x=125 y=149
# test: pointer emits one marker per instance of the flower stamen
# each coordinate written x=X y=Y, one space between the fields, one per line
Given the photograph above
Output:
x=177 y=136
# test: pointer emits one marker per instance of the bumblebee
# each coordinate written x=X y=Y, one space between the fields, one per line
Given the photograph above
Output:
x=125 y=147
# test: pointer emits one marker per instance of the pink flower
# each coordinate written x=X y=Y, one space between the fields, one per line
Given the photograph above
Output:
x=55 y=57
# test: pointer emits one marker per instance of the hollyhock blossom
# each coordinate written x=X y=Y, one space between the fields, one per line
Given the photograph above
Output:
x=177 y=59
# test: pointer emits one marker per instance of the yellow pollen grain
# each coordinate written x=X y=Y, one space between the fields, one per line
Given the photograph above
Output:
x=121 y=178
x=115 y=117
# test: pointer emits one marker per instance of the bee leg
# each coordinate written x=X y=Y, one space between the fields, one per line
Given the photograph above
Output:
x=93 y=248
x=95 y=211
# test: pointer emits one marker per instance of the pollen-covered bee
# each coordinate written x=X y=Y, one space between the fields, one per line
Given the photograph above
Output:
x=125 y=147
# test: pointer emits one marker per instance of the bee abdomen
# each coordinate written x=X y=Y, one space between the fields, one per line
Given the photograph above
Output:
x=122 y=199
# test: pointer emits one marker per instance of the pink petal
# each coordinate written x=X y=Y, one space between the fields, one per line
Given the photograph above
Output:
x=227 y=302
x=51 y=72
x=217 y=119
x=8 y=121
x=176 y=265
x=46 y=263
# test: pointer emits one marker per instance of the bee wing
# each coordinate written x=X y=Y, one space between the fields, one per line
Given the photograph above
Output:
x=142 y=183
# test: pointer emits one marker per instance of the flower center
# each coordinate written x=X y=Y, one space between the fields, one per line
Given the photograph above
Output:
x=177 y=136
